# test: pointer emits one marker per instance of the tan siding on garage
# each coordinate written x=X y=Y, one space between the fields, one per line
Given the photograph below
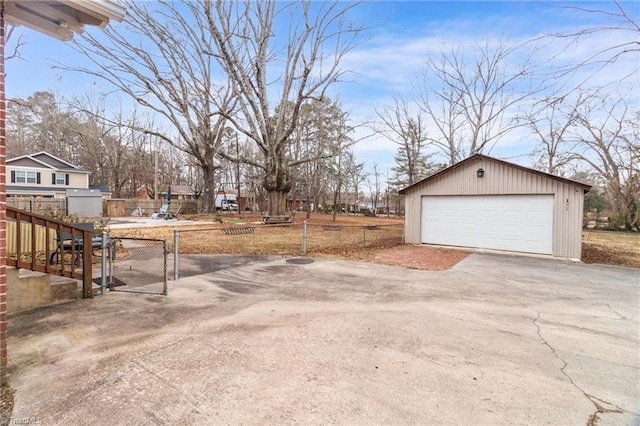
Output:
x=504 y=179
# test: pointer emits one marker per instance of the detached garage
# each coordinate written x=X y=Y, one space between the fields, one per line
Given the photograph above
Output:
x=486 y=203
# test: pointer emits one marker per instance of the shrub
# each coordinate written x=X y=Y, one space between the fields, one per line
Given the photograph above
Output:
x=61 y=216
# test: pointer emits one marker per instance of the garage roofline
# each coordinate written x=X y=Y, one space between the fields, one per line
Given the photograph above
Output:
x=584 y=186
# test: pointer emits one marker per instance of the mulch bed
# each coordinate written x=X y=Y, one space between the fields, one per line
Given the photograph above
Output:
x=595 y=253
x=421 y=257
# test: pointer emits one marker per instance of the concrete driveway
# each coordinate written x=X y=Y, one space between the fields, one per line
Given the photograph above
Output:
x=270 y=340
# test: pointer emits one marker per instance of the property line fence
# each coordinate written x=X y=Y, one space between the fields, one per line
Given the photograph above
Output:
x=284 y=239
x=41 y=206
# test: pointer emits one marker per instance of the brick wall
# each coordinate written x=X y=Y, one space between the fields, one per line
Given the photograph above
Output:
x=3 y=210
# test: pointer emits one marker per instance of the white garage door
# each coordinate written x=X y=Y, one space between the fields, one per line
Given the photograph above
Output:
x=502 y=222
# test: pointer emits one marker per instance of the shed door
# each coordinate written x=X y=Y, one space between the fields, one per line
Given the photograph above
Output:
x=521 y=223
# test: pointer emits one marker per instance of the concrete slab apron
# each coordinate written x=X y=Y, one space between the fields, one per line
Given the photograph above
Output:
x=495 y=340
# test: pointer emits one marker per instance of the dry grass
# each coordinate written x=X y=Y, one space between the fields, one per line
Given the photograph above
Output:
x=351 y=237
x=612 y=248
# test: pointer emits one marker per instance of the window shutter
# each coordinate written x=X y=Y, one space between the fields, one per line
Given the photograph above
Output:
x=66 y=179
x=53 y=178
x=13 y=176
x=38 y=178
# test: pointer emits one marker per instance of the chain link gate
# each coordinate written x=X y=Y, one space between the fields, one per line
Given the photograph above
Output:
x=139 y=265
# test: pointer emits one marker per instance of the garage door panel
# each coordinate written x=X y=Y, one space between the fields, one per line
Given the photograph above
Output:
x=503 y=222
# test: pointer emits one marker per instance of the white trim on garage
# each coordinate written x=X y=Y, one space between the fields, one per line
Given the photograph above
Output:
x=522 y=223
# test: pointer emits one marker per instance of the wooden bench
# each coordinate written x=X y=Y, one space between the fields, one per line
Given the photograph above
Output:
x=71 y=244
x=273 y=220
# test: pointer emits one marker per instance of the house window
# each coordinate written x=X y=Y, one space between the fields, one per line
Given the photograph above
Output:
x=60 y=179
x=26 y=177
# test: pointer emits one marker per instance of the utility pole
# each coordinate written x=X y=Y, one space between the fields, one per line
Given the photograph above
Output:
x=155 y=174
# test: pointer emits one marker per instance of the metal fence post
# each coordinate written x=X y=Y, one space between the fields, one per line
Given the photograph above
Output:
x=304 y=237
x=103 y=280
x=176 y=257
x=364 y=236
x=113 y=244
x=165 y=251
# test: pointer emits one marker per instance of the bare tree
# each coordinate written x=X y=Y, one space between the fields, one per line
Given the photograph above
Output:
x=267 y=70
x=606 y=138
x=339 y=169
x=118 y=154
x=13 y=44
x=42 y=122
x=161 y=61
x=469 y=101
x=614 y=17
x=407 y=130
x=321 y=135
x=551 y=125
x=20 y=126
x=375 y=187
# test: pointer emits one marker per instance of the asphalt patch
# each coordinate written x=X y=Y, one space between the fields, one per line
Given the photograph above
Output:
x=300 y=260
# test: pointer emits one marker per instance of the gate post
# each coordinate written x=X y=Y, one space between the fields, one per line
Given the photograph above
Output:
x=103 y=280
x=165 y=250
x=87 y=267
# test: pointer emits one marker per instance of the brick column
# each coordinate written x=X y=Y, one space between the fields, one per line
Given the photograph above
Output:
x=3 y=210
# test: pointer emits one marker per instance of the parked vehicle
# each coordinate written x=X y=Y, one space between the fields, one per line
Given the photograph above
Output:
x=226 y=202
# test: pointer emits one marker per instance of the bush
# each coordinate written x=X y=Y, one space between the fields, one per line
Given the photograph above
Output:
x=101 y=226
x=620 y=222
x=61 y=216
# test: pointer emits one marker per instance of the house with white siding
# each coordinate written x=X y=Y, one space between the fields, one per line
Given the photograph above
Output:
x=43 y=175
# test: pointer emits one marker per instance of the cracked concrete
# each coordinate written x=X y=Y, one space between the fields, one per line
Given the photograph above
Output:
x=259 y=340
x=597 y=402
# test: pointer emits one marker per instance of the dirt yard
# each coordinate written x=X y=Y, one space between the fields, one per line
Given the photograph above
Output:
x=368 y=239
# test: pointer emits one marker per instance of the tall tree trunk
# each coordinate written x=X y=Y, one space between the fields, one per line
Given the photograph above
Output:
x=277 y=183
x=208 y=196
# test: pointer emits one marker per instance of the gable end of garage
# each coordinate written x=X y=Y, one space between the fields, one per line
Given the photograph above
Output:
x=516 y=187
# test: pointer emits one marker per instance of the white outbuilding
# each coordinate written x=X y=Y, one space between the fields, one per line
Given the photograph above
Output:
x=487 y=203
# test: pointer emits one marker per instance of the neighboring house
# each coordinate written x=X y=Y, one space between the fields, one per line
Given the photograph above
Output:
x=179 y=192
x=486 y=203
x=43 y=175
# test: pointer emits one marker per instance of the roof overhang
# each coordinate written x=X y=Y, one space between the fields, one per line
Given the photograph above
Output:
x=62 y=19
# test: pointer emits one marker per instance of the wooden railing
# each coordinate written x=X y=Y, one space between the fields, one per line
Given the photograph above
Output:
x=32 y=241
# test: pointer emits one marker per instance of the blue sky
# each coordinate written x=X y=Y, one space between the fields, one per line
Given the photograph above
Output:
x=402 y=35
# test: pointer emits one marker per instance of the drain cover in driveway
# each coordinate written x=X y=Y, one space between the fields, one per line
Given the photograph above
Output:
x=300 y=260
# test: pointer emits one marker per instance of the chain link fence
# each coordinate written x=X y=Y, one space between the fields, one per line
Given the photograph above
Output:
x=138 y=265
x=284 y=239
